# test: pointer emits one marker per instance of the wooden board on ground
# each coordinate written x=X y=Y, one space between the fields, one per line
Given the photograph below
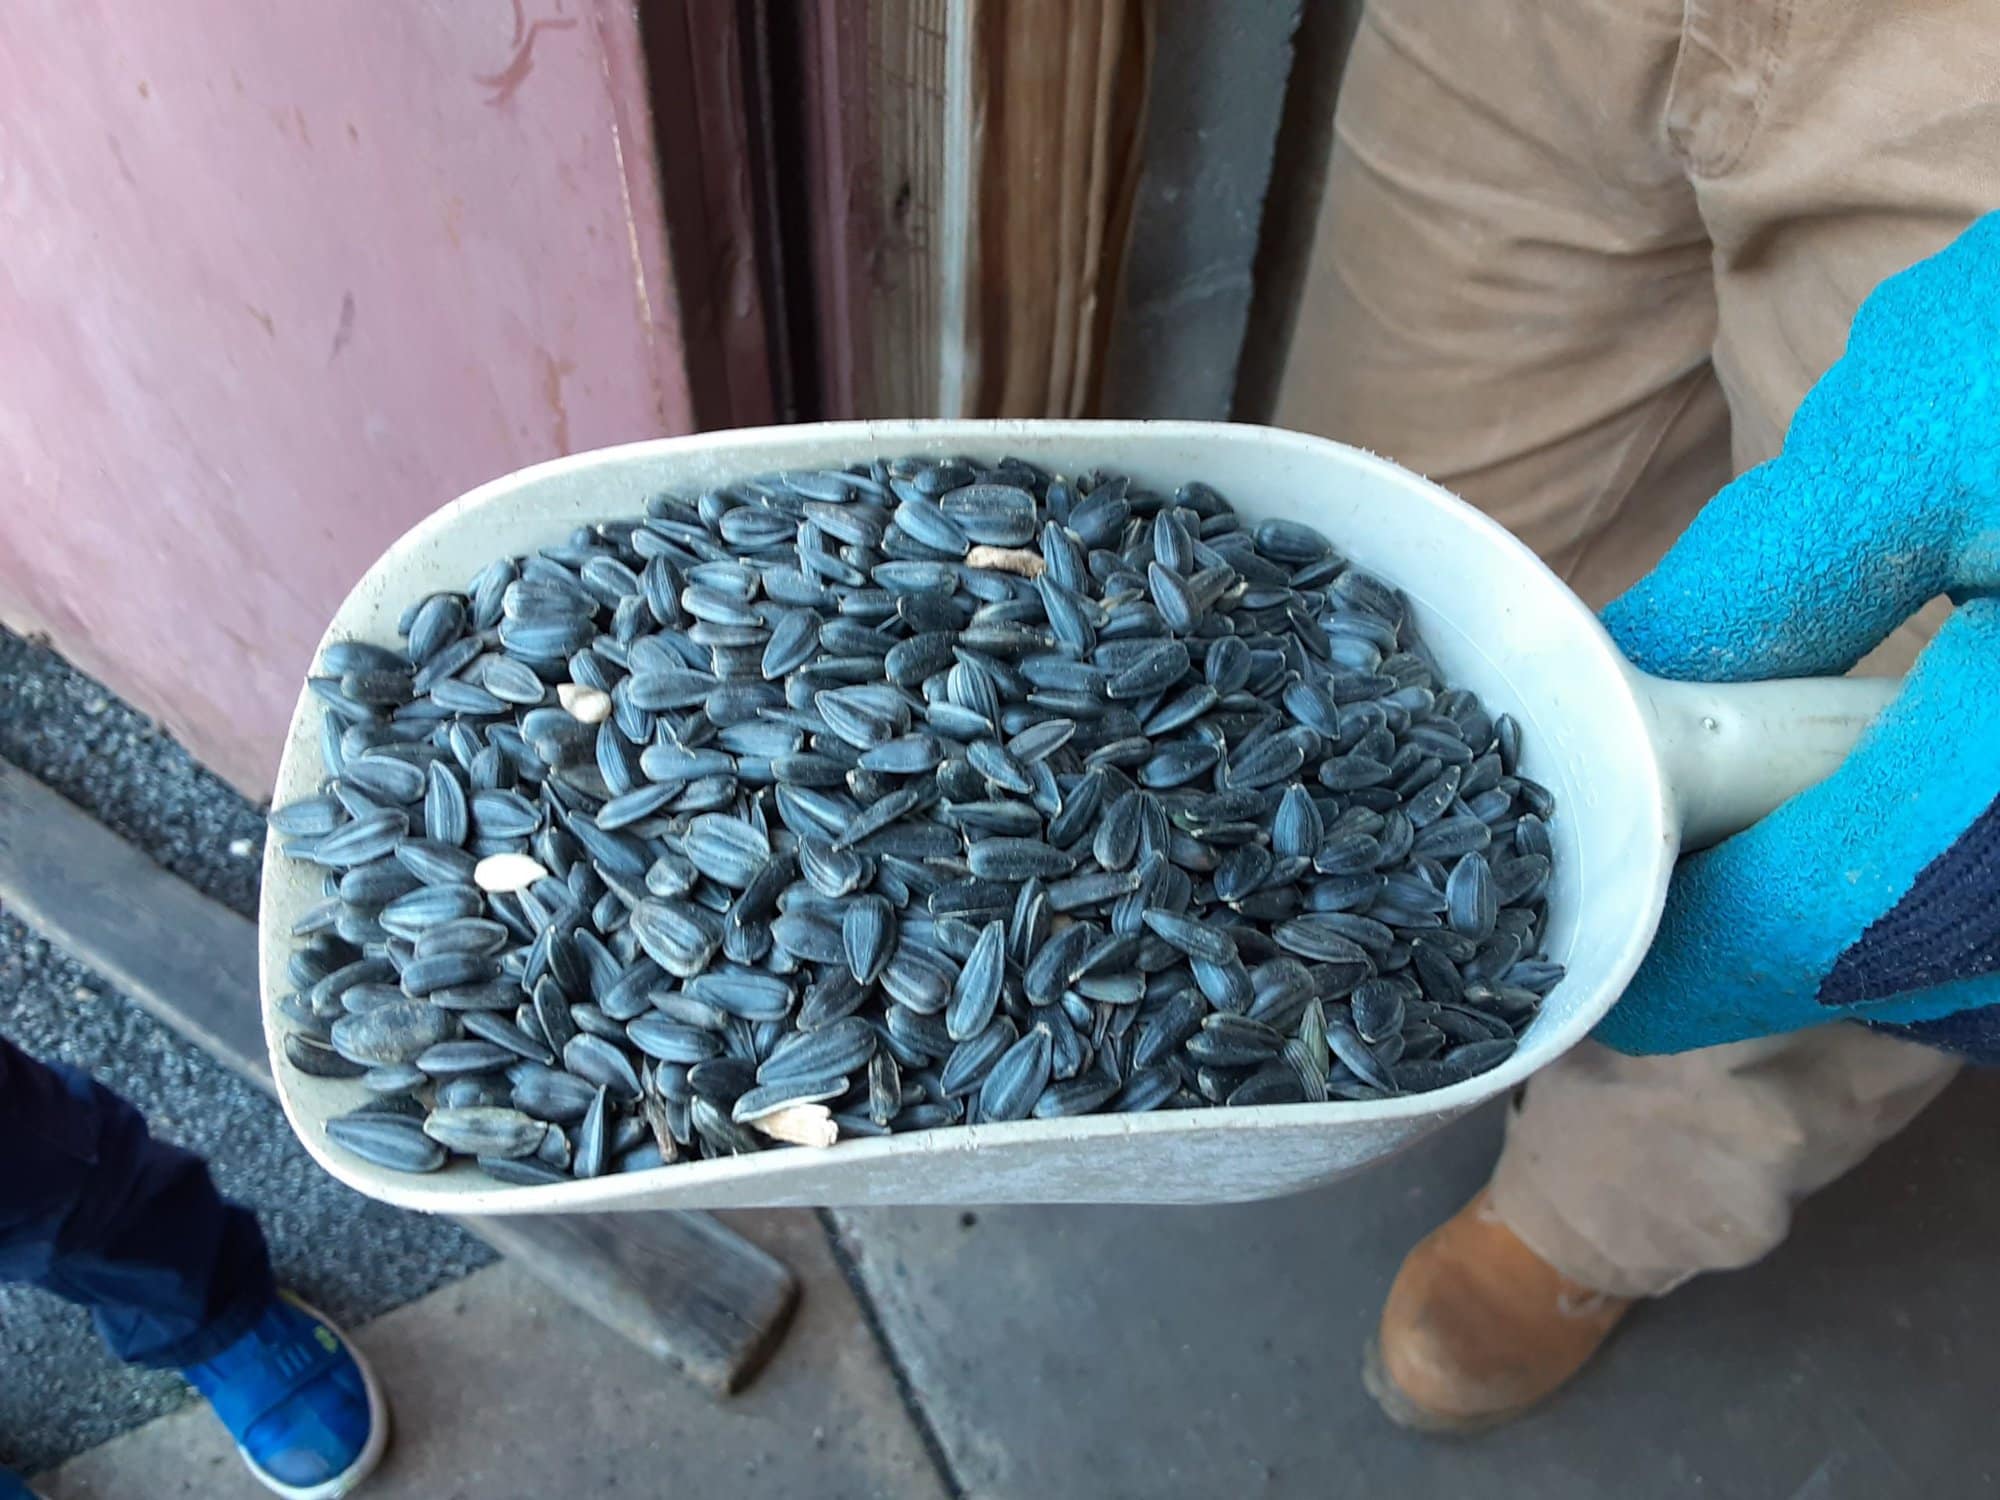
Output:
x=681 y=1285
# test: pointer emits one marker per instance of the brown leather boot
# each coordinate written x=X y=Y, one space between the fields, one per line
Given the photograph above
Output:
x=1478 y=1328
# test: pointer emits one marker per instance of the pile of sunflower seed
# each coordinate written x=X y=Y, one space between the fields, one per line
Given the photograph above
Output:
x=923 y=793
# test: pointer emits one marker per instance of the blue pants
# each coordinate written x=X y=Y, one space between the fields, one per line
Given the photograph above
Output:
x=95 y=1210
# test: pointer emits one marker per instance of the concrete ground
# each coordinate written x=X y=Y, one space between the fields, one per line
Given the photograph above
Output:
x=1213 y=1352
x=1216 y=1351
x=1027 y=1352
x=501 y=1391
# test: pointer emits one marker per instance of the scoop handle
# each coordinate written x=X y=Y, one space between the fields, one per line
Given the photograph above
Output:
x=1732 y=751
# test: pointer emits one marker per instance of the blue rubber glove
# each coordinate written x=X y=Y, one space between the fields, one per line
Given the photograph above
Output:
x=1874 y=896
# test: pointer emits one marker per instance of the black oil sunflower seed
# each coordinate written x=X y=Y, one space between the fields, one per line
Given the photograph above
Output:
x=784 y=796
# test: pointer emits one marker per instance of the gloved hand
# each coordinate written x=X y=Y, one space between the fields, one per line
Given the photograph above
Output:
x=1874 y=896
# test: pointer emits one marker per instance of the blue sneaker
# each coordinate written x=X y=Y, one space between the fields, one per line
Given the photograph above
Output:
x=13 y=1487
x=305 y=1410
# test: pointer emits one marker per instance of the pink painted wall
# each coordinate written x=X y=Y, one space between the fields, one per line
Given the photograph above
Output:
x=277 y=280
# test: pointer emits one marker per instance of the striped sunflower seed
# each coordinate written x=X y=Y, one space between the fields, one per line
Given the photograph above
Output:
x=868 y=937
x=391 y=1141
x=394 y=1033
x=485 y=1131
x=1014 y=1084
x=976 y=992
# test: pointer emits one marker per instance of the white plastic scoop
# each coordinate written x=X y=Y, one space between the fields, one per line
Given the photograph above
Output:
x=1639 y=768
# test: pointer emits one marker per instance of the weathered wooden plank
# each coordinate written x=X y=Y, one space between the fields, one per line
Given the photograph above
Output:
x=680 y=1285
x=179 y=956
x=1055 y=98
x=906 y=71
x=842 y=191
x=971 y=166
x=698 y=61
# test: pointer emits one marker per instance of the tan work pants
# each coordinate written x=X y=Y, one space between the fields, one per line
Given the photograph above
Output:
x=1579 y=261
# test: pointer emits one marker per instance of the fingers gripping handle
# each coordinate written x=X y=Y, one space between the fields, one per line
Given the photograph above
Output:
x=1733 y=751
